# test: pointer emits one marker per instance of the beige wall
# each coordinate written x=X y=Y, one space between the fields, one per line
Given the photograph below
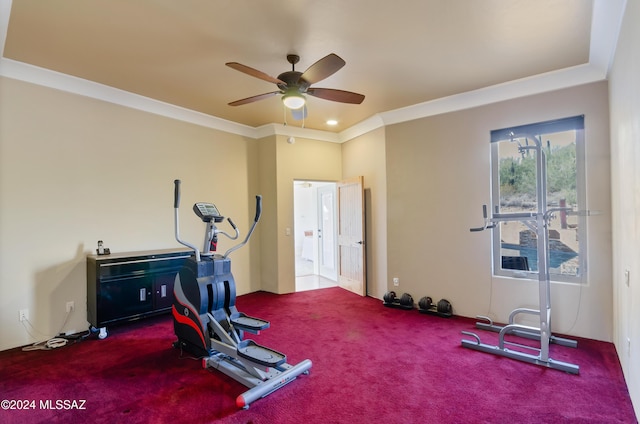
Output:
x=281 y=163
x=438 y=178
x=305 y=159
x=365 y=156
x=269 y=223
x=625 y=167
x=74 y=170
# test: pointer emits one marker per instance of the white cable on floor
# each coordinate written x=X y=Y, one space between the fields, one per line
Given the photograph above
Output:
x=52 y=343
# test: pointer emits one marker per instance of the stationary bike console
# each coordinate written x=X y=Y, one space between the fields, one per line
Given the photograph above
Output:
x=207 y=212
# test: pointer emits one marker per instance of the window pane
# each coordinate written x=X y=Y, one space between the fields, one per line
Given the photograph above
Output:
x=517 y=178
x=562 y=192
x=515 y=187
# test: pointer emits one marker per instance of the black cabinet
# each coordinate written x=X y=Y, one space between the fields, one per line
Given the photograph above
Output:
x=127 y=286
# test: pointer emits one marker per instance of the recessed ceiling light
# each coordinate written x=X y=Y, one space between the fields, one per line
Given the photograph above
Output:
x=332 y=122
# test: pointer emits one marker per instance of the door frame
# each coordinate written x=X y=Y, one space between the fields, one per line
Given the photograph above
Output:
x=329 y=273
x=316 y=185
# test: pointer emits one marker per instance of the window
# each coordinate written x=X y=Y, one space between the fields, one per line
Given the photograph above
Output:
x=516 y=188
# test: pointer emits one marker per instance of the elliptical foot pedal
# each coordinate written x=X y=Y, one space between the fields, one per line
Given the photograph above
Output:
x=247 y=323
x=252 y=351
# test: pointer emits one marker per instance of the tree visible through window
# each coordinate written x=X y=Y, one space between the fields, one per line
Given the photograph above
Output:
x=515 y=190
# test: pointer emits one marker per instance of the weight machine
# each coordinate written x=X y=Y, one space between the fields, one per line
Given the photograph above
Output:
x=539 y=223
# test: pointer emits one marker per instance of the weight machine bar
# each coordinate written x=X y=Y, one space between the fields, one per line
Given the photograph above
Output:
x=520 y=356
x=516 y=216
x=526 y=334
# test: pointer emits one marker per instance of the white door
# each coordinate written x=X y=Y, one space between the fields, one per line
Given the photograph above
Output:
x=351 y=231
x=327 y=231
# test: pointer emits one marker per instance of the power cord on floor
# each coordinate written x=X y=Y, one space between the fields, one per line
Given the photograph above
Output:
x=49 y=344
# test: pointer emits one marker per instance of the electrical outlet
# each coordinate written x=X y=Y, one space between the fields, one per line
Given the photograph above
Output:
x=626 y=277
x=396 y=281
x=70 y=306
x=24 y=315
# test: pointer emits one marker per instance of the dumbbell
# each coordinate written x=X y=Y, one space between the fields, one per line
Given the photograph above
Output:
x=443 y=308
x=405 y=302
x=425 y=303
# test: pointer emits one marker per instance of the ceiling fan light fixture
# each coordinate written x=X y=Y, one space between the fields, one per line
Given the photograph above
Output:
x=293 y=100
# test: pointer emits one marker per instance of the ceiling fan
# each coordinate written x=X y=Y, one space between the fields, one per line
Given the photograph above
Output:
x=293 y=85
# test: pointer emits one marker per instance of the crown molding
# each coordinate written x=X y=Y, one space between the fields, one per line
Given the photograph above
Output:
x=605 y=28
x=57 y=80
x=551 y=81
x=287 y=130
x=372 y=123
x=606 y=21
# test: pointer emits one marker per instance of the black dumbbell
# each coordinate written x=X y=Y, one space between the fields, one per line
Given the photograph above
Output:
x=405 y=302
x=442 y=309
x=425 y=303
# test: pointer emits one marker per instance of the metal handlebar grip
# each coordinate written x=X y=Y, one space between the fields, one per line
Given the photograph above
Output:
x=484 y=214
x=176 y=194
x=258 y=207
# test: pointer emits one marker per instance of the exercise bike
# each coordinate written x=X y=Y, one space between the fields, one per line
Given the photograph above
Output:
x=207 y=322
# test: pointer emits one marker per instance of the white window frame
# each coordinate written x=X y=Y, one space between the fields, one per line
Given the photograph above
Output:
x=547 y=127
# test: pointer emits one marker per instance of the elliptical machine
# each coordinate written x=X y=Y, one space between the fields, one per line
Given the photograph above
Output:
x=207 y=322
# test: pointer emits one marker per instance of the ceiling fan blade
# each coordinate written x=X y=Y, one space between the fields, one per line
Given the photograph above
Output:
x=336 y=95
x=299 y=114
x=253 y=99
x=253 y=72
x=323 y=68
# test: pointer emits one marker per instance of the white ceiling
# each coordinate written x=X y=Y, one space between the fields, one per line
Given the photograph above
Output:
x=408 y=57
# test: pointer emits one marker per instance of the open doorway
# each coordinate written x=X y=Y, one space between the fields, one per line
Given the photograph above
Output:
x=315 y=233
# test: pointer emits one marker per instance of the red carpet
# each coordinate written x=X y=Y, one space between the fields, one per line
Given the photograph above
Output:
x=370 y=364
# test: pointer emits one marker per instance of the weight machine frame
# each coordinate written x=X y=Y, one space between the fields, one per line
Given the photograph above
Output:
x=539 y=222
